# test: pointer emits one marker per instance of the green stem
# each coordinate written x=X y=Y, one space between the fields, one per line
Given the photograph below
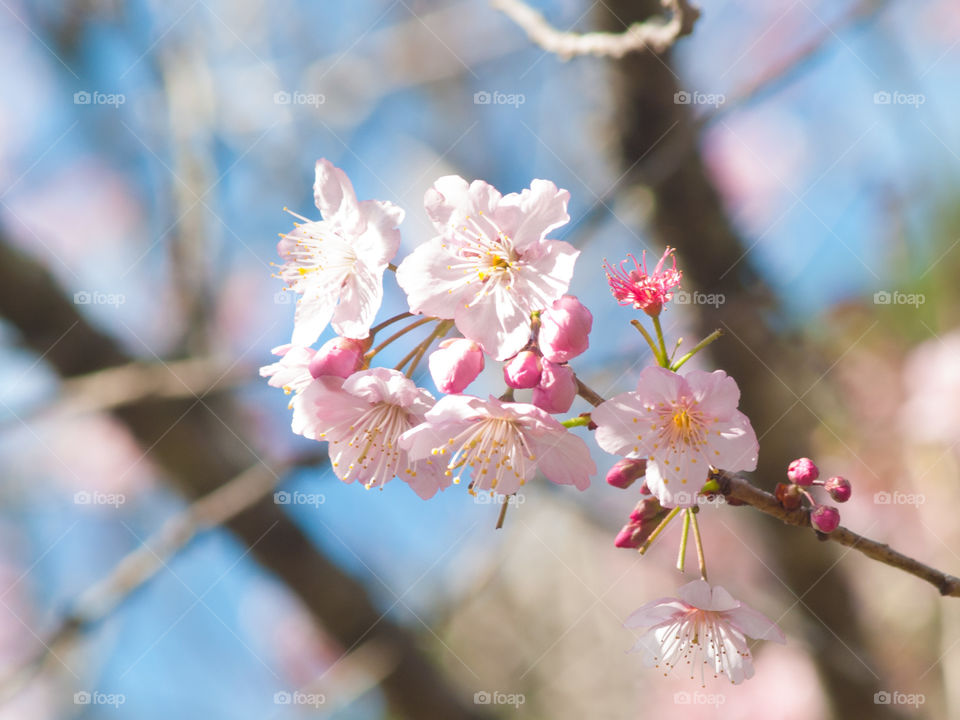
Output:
x=682 y=556
x=646 y=336
x=579 y=421
x=664 y=362
x=697 y=348
x=701 y=557
x=657 y=530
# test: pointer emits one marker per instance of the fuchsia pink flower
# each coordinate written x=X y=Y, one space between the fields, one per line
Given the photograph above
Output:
x=565 y=329
x=839 y=488
x=703 y=630
x=363 y=418
x=645 y=291
x=626 y=472
x=500 y=445
x=292 y=371
x=643 y=521
x=682 y=425
x=557 y=388
x=491 y=265
x=825 y=518
x=336 y=264
x=339 y=356
x=456 y=364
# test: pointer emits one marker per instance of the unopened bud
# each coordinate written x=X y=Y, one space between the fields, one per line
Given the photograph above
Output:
x=643 y=521
x=523 y=371
x=789 y=495
x=839 y=488
x=557 y=388
x=625 y=472
x=803 y=471
x=340 y=356
x=565 y=329
x=455 y=364
x=825 y=518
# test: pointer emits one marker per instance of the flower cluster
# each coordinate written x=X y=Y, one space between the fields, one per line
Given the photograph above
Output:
x=803 y=473
x=492 y=273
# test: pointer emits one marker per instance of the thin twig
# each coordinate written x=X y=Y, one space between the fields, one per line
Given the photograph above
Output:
x=739 y=489
x=657 y=34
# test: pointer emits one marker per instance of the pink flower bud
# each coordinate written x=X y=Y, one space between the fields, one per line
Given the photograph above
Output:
x=455 y=364
x=825 y=518
x=564 y=329
x=839 y=488
x=340 y=356
x=557 y=388
x=643 y=520
x=523 y=371
x=802 y=471
x=626 y=472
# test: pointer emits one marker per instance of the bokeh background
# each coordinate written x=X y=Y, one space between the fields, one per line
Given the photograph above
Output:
x=807 y=172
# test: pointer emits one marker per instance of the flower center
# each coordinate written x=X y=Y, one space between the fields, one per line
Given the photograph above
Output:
x=492 y=449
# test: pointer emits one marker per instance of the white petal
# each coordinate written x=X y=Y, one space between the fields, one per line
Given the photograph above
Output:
x=755 y=624
x=716 y=393
x=544 y=208
x=334 y=196
x=495 y=322
x=565 y=459
x=360 y=299
x=655 y=613
x=545 y=274
x=378 y=243
x=434 y=280
x=733 y=445
x=313 y=314
x=696 y=593
x=619 y=421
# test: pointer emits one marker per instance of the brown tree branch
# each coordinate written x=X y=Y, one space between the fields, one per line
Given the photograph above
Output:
x=733 y=486
x=655 y=34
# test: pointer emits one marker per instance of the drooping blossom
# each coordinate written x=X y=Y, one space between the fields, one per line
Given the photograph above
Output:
x=336 y=264
x=491 y=265
x=499 y=445
x=363 y=418
x=702 y=631
x=682 y=425
x=292 y=371
x=645 y=291
x=455 y=364
x=565 y=329
x=339 y=356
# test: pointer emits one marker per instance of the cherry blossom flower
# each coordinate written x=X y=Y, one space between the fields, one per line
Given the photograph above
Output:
x=682 y=425
x=292 y=371
x=645 y=291
x=491 y=265
x=363 y=418
x=337 y=263
x=702 y=630
x=500 y=444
